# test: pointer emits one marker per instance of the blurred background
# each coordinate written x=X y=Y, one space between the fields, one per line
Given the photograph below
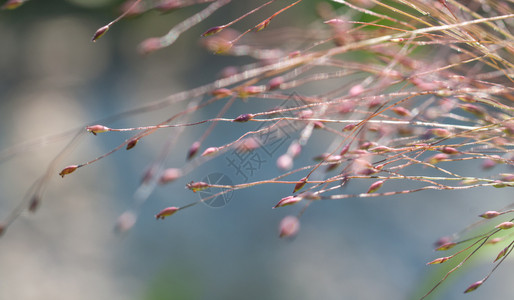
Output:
x=54 y=80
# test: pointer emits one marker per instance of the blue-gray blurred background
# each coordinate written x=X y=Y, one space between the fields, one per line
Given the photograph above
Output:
x=54 y=79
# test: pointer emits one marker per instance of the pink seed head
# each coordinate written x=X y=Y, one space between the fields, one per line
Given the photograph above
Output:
x=335 y=22
x=305 y=114
x=249 y=144
x=446 y=246
x=437 y=158
x=228 y=71
x=367 y=145
x=473 y=109
x=210 y=151
x=469 y=181
x=509 y=128
x=285 y=162
x=150 y=45
x=132 y=143
x=170 y=175
x=289 y=200
x=321 y=157
x=97 y=129
x=401 y=111
x=489 y=214
x=439 y=260
x=443 y=240
x=474 y=286
x=125 y=222
x=275 y=83
x=193 y=150
x=243 y=118
x=488 y=164
x=148 y=175
x=221 y=93
x=375 y=186
x=360 y=152
x=349 y=127
x=346 y=107
x=213 y=30
x=300 y=184
x=101 y=31
x=289 y=227
x=168 y=211
x=440 y=132
x=318 y=125
x=449 y=150
x=250 y=90
x=218 y=45
x=262 y=25
x=197 y=186
x=333 y=158
x=507 y=177
x=294 y=149
x=505 y=225
x=381 y=149
x=34 y=203
x=494 y=241
x=344 y=150
x=373 y=103
x=502 y=253
x=68 y=170
x=294 y=54
x=362 y=167
x=356 y=90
